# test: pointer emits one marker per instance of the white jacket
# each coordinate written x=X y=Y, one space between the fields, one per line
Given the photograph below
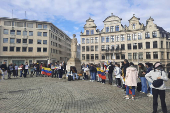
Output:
x=153 y=75
x=117 y=72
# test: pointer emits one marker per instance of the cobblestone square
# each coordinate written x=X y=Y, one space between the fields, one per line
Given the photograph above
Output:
x=51 y=95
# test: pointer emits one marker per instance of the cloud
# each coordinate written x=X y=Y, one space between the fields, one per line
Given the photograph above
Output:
x=78 y=11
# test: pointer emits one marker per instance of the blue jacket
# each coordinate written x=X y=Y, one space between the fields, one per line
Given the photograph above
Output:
x=148 y=70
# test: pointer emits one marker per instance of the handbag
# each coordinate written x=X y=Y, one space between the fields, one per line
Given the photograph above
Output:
x=157 y=83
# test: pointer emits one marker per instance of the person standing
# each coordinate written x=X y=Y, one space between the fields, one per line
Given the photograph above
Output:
x=25 y=70
x=131 y=80
x=155 y=75
x=21 y=70
x=110 y=73
x=60 y=71
x=4 y=69
x=64 y=67
x=126 y=65
x=92 y=72
x=169 y=75
x=142 y=72
x=16 y=70
x=117 y=73
x=32 y=69
x=122 y=74
x=52 y=68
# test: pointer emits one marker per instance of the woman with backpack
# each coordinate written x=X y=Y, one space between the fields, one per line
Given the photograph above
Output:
x=157 y=78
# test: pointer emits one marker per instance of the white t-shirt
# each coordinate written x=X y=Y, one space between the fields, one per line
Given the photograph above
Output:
x=26 y=66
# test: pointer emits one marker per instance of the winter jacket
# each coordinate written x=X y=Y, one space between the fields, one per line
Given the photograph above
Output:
x=92 y=69
x=4 y=67
x=117 y=72
x=153 y=75
x=148 y=69
x=111 y=68
x=131 y=76
x=141 y=71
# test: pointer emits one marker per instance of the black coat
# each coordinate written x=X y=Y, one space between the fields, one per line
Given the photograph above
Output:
x=111 y=68
x=92 y=69
x=4 y=67
x=60 y=71
x=169 y=75
x=125 y=67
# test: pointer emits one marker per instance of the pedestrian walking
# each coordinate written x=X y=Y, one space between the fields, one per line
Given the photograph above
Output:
x=157 y=78
x=110 y=73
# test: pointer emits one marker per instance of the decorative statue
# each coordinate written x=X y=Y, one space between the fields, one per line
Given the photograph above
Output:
x=74 y=47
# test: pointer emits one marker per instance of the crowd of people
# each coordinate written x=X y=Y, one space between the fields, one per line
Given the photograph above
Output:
x=146 y=78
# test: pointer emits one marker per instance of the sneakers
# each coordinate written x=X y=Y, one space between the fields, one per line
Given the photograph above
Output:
x=103 y=83
x=133 y=98
x=126 y=97
x=150 y=95
x=90 y=80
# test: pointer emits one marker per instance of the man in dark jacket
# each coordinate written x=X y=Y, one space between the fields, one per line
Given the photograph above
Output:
x=4 y=69
x=110 y=72
x=126 y=65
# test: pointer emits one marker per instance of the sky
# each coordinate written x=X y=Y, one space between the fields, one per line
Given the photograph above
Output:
x=71 y=15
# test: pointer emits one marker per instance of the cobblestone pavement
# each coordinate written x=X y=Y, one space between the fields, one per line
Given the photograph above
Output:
x=51 y=95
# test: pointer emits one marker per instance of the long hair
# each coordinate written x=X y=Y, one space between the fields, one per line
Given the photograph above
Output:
x=142 y=66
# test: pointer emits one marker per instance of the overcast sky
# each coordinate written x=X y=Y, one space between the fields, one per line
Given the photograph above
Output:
x=70 y=15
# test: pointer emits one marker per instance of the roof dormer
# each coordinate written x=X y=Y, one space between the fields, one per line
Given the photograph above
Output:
x=134 y=23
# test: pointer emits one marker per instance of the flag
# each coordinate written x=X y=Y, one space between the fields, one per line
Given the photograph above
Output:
x=101 y=73
x=46 y=71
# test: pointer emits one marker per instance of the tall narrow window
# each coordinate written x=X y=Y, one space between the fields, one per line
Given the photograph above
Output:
x=117 y=46
x=112 y=38
x=128 y=37
x=92 y=32
x=107 y=39
x=147 y=45
x=92 y=48
x=147 y=35
x=96 y=48
x=117 y=28
x=92 y=40
x=139 y=45
x=154 y=34
x=87 y=32
x=107 y=29
x=111 y=28
x=92 y=56
x=129 y=56
x=148 y=55
x=87 y=41
x=83 y=40
x=117 y=38
x=135 y=46
x=134 y=37
x=134 y=55
x=83 y=56
x=122 y=38
x=161 y=44
x=155 y=55
x=96 y=40
x=96 y=57
x=107 y=47
x=133 y=26
x=103 y=57
x=112 y=47
x=139 y=36
x=122 y=46
x=140 y=55
x=155 y=44
x=103 y=47
x=87 y=48
x=129 y=46
x=102 y=39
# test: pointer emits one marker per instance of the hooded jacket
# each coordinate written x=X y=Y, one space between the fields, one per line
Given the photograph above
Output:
x=131 y=76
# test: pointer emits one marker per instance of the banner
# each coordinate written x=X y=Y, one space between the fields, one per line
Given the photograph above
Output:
x=46 y=71
x=101 y=73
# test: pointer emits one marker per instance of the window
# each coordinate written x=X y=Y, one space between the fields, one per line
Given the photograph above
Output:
x=147 y=35
x=107 y=56
x=148 y=55
x=166 y=44
x=5 y=48
x=92 y=48
x=147 y=45
x=18 y=41
x=96 y=48
x=133 y=26
x=162 y=55
x=135 y=46
x=103 y=47
x=18 y=49
x=19 y=24
x=5 y=31
x=12 y=32
x=129 y=56
x=38 y=41
x=45 y=26
x=5 y=40
x=107 y=47
x=92 y=32
x=155 y=44
x=87 y=41
x=129 y=46
x=122 y=46
x=122 y=56
x=96 y=39
x=56 y=51
x=117 y=56
x=18 y=32
x=24 y=41
x=87 y=32
x=87 y=57
x=39 y=33
x=161 y=44
x=24 y=49
x=30 y=25
x=30 y=33
x=155 y=55
x=55 y=37
x=134 y=37
x=96 y=57
x=83 y=48
x=112 y=38
x=117 y=46
x=7 y=23
x=38 y=49
x=24 y=33
x=122 y=38
x=30 y=41
x=30 y=49
x=83 y=40
x=128 y=37
x=167 y=55
x=44 y=41
x=117 y=28
x=45 y=34
x=117 y=38
x=12 y=40
x=53 y=43
x=102 y=39
x=107 y=39
x=139 y=36
x=103 y=57
x=83 y=56
x=56 y=44
x=92 y=40
x=154 y=34
x=107 y=29
x=45 y=50
x=92 y=56
x=134 y=55
x=139 y=45
x=112 y=47
x=39 y=25
x=51 y=50
x=11 y=48
x=51 y=35
x=111 y=28
x=87 y=48
x=140 y=55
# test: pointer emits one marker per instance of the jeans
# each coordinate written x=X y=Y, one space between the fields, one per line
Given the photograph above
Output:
x=127 y=90
x=110 y=78
x=150 y=87
x=93 y=74
x=37 y=72
x=21 y=73
x=157 y=92
x=144 y=85
x=25 y=72
x=74 y=76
